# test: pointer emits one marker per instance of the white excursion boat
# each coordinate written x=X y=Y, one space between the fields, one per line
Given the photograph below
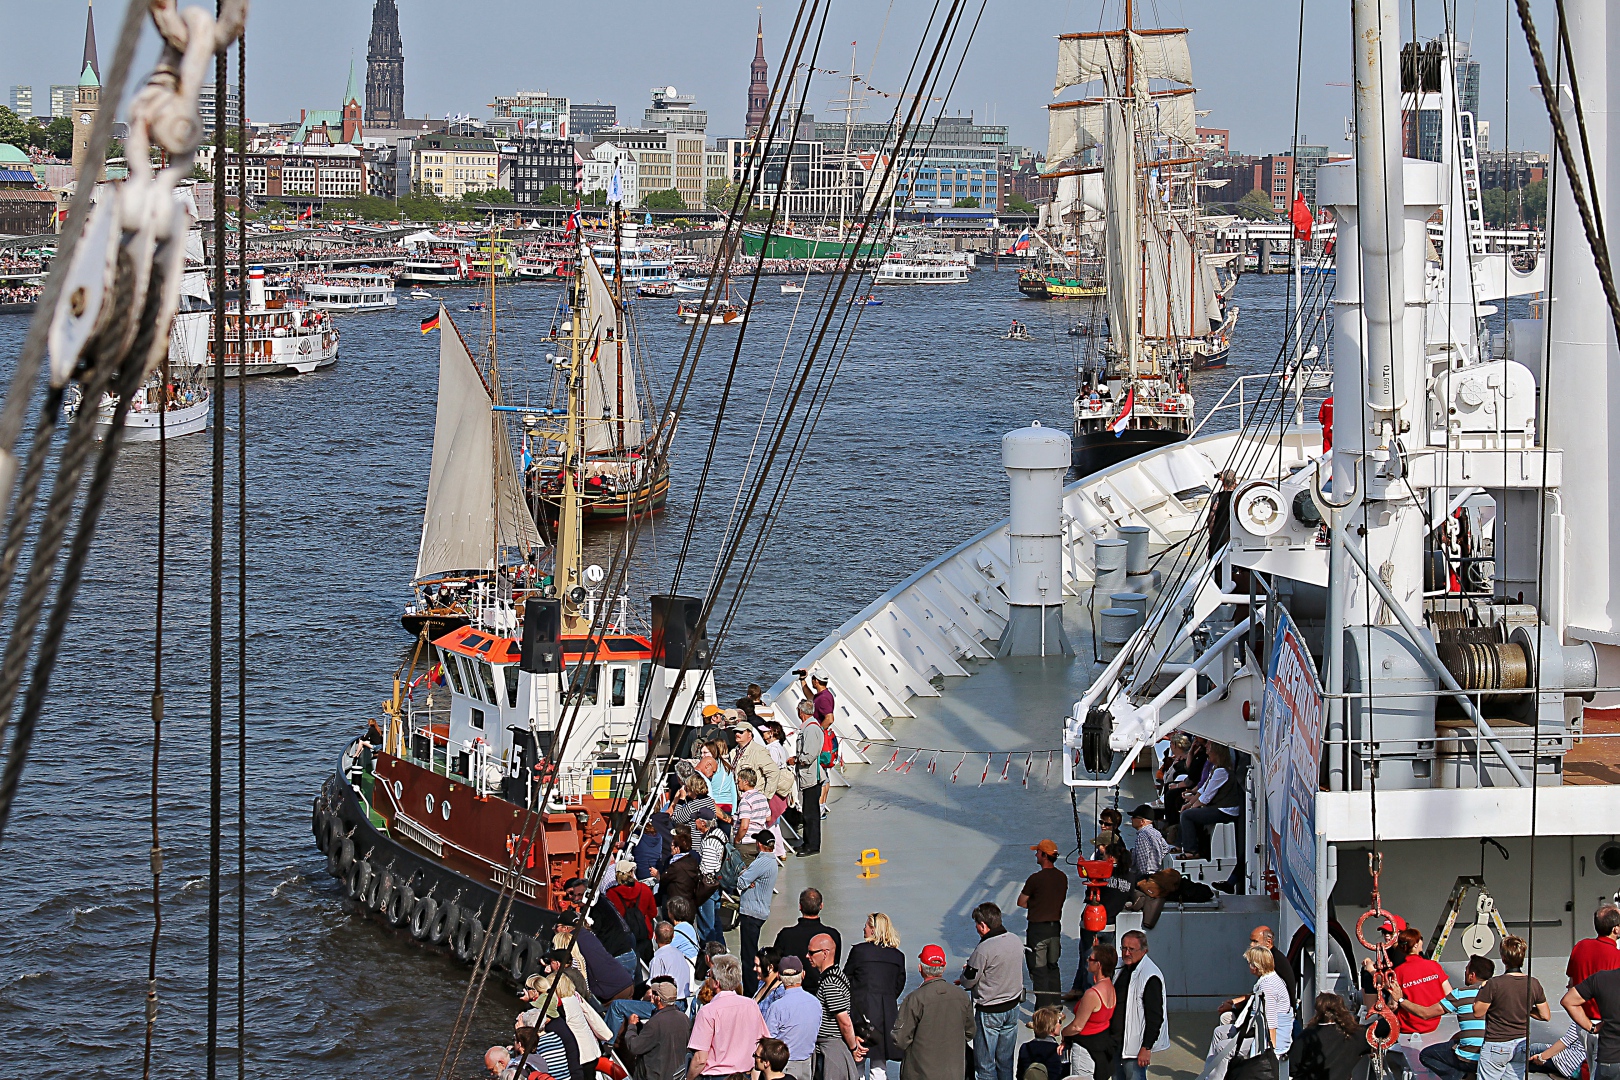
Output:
x=921 y=269
x=283 y=338
x=791 y=288
x=186 y=414
x=352 y=292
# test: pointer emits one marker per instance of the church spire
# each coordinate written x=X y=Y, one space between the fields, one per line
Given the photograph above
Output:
x=759 y=88
x=90 y=60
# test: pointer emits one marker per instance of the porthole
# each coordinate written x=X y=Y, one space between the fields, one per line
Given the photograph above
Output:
x=399 y=790
x=444 y=809
x=430 y=804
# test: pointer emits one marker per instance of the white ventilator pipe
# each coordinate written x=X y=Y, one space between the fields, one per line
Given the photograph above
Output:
x=255 y=288
x=1035 y=459
x=1381 y=202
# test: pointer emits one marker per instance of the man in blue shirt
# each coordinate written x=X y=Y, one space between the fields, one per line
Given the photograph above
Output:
x=756 y=885
x=1459 y=1058
x=795 y=1018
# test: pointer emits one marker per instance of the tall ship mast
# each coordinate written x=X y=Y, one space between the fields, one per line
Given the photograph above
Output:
x=1166 y=316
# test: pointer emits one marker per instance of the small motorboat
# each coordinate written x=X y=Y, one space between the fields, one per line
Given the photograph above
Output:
x=1017 y=332
x=865 y=301
x=790 y=288
x=1081 y=329
x=422 y=294
x=658 y=290
x=478 y=306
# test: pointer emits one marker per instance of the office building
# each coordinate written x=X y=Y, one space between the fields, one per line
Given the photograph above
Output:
x=22 y=101
x=297 y=173
x=62 y=97
x=452 y=165
x=538 y=113
x=233 y=100
x=584 y=121
x=673 y=111
x=540 y=164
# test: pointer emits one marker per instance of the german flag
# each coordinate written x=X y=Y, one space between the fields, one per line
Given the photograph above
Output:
x=430 y=323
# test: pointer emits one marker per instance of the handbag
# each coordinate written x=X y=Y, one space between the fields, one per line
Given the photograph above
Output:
x=1255 y=1036
x=726 y=912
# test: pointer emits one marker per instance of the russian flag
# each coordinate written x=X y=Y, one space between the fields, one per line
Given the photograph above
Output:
x=1119 y=423
x=1022 y=243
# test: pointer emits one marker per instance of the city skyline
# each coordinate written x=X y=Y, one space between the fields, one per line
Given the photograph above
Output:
x=458 y=68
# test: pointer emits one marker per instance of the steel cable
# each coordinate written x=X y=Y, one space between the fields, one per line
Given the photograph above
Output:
x=241 y=563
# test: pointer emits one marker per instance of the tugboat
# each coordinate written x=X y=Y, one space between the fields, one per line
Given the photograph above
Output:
x=504 y=758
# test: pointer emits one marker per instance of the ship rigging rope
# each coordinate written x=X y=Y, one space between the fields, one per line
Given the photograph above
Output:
x=241 y=564
x=1591 y=214
x=216 y=569
x=818 y=401
x=730 y=253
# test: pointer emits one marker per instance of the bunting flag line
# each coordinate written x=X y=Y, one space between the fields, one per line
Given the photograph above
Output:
x=986 y=775
x=1029 y=763
x=1005 y=765
x=932 y=762
x=958 y=768
x=888 y=764
x=1048 y=779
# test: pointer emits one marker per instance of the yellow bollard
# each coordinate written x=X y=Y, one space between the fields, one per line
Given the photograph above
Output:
x=869 y=861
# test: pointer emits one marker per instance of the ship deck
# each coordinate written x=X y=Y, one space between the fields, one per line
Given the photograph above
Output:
x=1596 y=761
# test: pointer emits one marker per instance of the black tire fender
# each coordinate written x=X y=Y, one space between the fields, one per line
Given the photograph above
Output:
x=372 y=886
x=423 y=917
x=343 y=853
x=444 y=923
x=400 y=905
x=362 y=880
x=469 y=938
x=318 y=825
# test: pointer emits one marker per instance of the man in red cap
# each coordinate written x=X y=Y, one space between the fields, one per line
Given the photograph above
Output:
x=1043 y=896
x=934 y=1024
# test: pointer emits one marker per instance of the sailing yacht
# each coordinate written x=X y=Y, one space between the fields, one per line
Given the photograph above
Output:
x=479 y=542
x=1159 y=289
x=621 y=474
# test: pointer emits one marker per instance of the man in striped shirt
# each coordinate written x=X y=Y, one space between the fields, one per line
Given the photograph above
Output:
x=1460 y=1057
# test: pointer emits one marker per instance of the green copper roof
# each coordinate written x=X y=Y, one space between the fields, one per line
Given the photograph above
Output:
x=10 y=155
x=89 y=77
x=352 y=92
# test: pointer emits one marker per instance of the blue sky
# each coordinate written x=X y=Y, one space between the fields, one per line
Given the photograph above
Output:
x=459 y=54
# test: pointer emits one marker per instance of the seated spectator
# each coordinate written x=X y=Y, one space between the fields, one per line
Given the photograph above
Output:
x=1217 y=800
x=658 y=1042
x=1331 y=1045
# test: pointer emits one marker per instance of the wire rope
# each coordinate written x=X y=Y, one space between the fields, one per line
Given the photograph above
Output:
x=241 y=564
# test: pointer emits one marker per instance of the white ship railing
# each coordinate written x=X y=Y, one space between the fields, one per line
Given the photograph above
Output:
x=939 y=620
x=1249 y=391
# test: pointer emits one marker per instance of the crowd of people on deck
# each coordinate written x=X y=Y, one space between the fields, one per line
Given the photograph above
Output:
x=642 y=980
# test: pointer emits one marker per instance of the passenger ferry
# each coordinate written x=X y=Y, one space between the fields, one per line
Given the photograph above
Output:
x=352 y=292
x=921 y=269
x=283 y=338
x=640 y=265
x=441 y=266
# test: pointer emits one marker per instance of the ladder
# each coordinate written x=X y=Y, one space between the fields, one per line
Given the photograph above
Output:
x=1473 y=206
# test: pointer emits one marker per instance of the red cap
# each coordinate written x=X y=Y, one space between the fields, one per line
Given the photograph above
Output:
x=1394 y=924
x=932 y=956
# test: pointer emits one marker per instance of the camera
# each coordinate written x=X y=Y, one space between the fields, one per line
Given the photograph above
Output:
x=801 y=672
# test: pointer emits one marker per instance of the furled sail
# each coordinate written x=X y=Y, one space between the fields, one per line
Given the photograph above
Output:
x=474 y=501
x=1074 y=127
x=610 y=372
x=1159 y=54
x=1120 y=230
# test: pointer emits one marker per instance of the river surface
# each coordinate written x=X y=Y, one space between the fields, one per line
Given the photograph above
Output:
x=903 y=466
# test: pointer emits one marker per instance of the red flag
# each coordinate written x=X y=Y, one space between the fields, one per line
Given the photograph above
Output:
x=1301 y=217
x=1123 y=420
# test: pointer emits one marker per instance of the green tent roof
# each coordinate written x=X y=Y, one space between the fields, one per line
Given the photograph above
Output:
x=89 y=77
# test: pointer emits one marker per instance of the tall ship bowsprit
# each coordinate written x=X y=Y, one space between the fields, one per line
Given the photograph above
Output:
x=1166 y=315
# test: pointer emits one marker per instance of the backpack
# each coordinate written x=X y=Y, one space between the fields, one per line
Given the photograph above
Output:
x=829 y=744
x=732 y=864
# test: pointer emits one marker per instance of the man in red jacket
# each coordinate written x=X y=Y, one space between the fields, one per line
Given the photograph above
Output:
x=1598 y=953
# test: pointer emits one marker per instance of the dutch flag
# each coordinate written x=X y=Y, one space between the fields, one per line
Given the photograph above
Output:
x=1119 y=423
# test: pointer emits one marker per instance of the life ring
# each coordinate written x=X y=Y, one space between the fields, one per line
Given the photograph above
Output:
x=400 y=905
x=423 y=916
x=343 y=854
x=444 y=923
x=469 y=938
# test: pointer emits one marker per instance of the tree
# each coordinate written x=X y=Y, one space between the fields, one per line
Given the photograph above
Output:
x=488 y=197
x=669 y=199
x=13 y=130
x=1256 y=204
x=1017 y=204
x=720 y=194
x=969 y=203
x=681 y=223
x=1535 y=202
x=551 y=196
x=59 y=138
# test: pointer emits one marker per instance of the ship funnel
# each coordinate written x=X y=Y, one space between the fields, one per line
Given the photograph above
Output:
x=255 y=288
x=1035 y=459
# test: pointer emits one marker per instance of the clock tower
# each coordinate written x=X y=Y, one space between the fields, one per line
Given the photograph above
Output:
x=87 y=99
x=85 y=105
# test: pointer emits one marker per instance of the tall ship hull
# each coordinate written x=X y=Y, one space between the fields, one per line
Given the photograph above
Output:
x=791 y=246
x=1040 y=285
x=1098 y=449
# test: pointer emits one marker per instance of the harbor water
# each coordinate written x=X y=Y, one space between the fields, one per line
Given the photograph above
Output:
x=904 y=465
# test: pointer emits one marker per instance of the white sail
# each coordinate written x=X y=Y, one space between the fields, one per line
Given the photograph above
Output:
x=610 y=372
x=1177 y=118
x=1074 y=127
x=1083 y=58
x=474 y=501
x=1119 y=171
